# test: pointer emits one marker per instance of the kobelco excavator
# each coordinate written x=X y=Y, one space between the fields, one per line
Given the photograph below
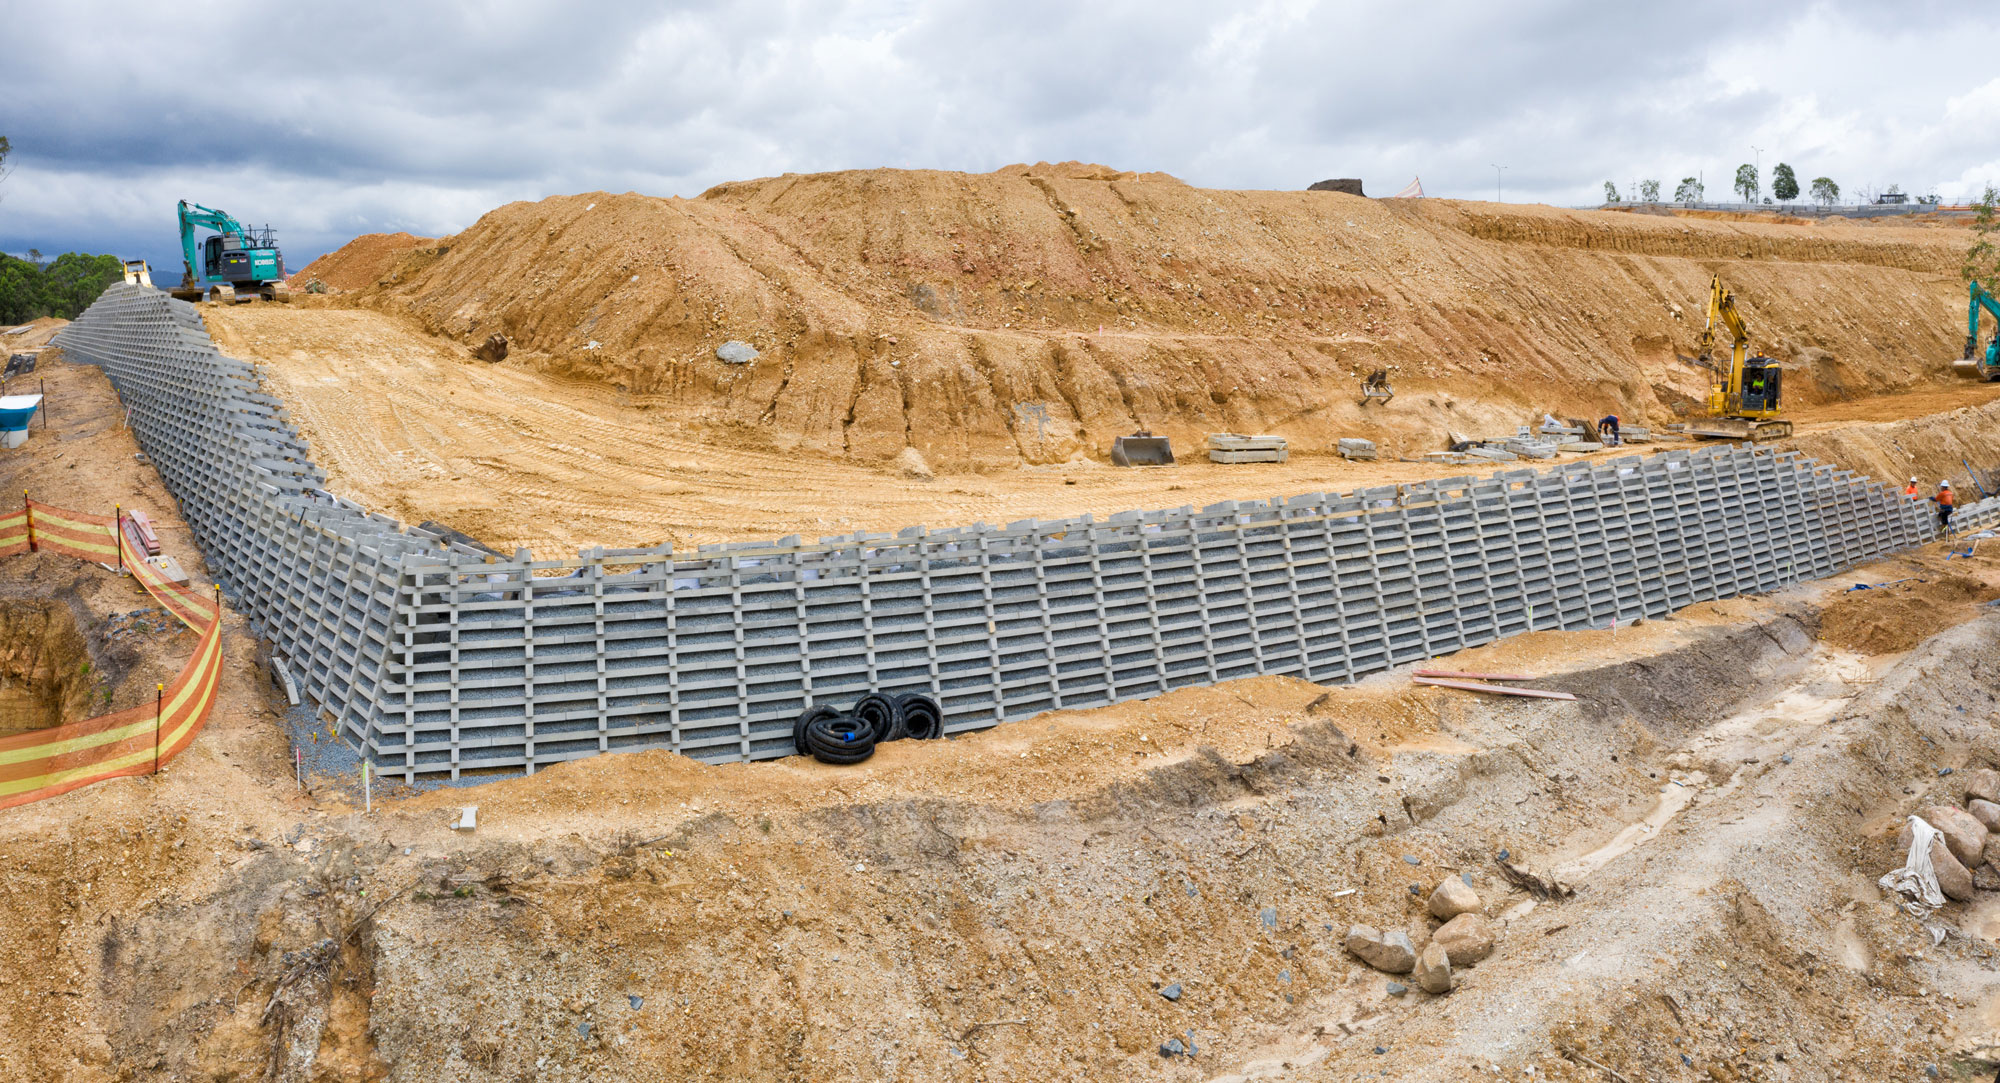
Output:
x=1984 y=364
x=1742 y=395
x=239 y=263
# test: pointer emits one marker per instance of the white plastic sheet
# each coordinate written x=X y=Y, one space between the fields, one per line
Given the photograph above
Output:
x=1916 y=879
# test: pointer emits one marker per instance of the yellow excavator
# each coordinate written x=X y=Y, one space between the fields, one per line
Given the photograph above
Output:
x=1742 y=394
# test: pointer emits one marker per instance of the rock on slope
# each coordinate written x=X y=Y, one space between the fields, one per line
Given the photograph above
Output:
x=1036 y=312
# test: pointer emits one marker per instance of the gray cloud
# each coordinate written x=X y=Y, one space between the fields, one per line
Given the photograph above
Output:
x=333 y=119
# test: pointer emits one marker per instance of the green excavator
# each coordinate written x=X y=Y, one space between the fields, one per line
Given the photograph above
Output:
x=238 y=263
x=1982 y=364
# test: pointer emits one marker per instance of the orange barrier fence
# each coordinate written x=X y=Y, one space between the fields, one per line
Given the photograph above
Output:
x=134 y=741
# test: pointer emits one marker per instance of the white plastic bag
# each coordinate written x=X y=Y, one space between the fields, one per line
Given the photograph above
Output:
x=1916 y=879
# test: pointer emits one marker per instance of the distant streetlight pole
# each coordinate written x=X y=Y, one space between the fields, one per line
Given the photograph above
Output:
x=1496 y=182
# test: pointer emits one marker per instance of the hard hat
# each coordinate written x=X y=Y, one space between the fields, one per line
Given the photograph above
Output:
x=1913 y=481
x=1944 y=485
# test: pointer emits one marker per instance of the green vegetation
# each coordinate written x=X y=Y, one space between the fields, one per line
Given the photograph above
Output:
x=62 y=288
x=1610 y=192
x=1746 y=182
x=1689 y=191
x=1784 y=183
x=1982 y=260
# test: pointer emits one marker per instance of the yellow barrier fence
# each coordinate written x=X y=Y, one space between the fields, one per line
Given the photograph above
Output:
x=134 y=741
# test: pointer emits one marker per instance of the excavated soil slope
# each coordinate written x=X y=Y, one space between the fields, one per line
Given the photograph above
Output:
x=1034 y=313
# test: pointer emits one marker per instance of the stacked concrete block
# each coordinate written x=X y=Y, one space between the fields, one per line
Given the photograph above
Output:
x=1355 y=448
x=441 y=660
x=1530 y=449
x=1229 y=447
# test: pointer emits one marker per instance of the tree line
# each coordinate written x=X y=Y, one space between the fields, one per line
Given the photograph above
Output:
x=62 y=287
x=1785 y=188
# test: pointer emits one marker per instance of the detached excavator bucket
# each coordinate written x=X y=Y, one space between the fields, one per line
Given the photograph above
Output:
x=1141 y=449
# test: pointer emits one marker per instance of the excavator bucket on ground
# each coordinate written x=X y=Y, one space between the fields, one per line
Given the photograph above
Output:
x=1141 y=449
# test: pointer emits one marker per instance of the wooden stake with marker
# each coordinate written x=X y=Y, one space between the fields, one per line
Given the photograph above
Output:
x=159 y=697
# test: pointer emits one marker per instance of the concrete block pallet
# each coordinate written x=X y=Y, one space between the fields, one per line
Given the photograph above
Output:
x=439 y=660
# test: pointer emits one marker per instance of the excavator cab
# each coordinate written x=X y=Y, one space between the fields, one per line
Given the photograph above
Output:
x=1763 y=379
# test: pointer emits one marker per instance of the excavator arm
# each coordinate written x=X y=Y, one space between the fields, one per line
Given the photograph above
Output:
x=192 y=215
x=1722 y=310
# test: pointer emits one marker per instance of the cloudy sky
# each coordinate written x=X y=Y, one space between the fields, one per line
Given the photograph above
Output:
x=332 y=119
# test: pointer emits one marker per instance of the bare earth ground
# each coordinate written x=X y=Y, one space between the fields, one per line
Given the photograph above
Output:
x=411 y=425
x=1010 y=905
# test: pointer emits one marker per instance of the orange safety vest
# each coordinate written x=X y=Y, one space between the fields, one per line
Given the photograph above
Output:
x=1945 y=498
x=1910 y=490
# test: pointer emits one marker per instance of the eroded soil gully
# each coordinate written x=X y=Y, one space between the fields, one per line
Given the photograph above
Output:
x=1830 y=680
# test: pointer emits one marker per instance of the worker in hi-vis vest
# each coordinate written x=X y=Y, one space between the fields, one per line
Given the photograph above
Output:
x=1945 y=504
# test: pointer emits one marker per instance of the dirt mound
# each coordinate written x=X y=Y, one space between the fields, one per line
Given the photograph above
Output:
x=360 y=262
x=1894 y=617
x=1028 y=314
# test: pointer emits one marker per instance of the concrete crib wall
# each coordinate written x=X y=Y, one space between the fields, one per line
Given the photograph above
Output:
x=440 y=661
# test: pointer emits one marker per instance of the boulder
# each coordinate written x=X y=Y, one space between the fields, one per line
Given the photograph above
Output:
x=1390 y=952
x=1452 y=898
x=1952 y=877
x=736 y=353
x=1984 y=784
x=1467 y=939
x=1434 y=969
x=1349 y=185
x=912 y=464
x=1986 y=812
x=1962 y=832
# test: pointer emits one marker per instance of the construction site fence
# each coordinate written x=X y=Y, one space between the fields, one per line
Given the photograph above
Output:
x=1797 y=209
x=440 y=659
x=136 y=740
